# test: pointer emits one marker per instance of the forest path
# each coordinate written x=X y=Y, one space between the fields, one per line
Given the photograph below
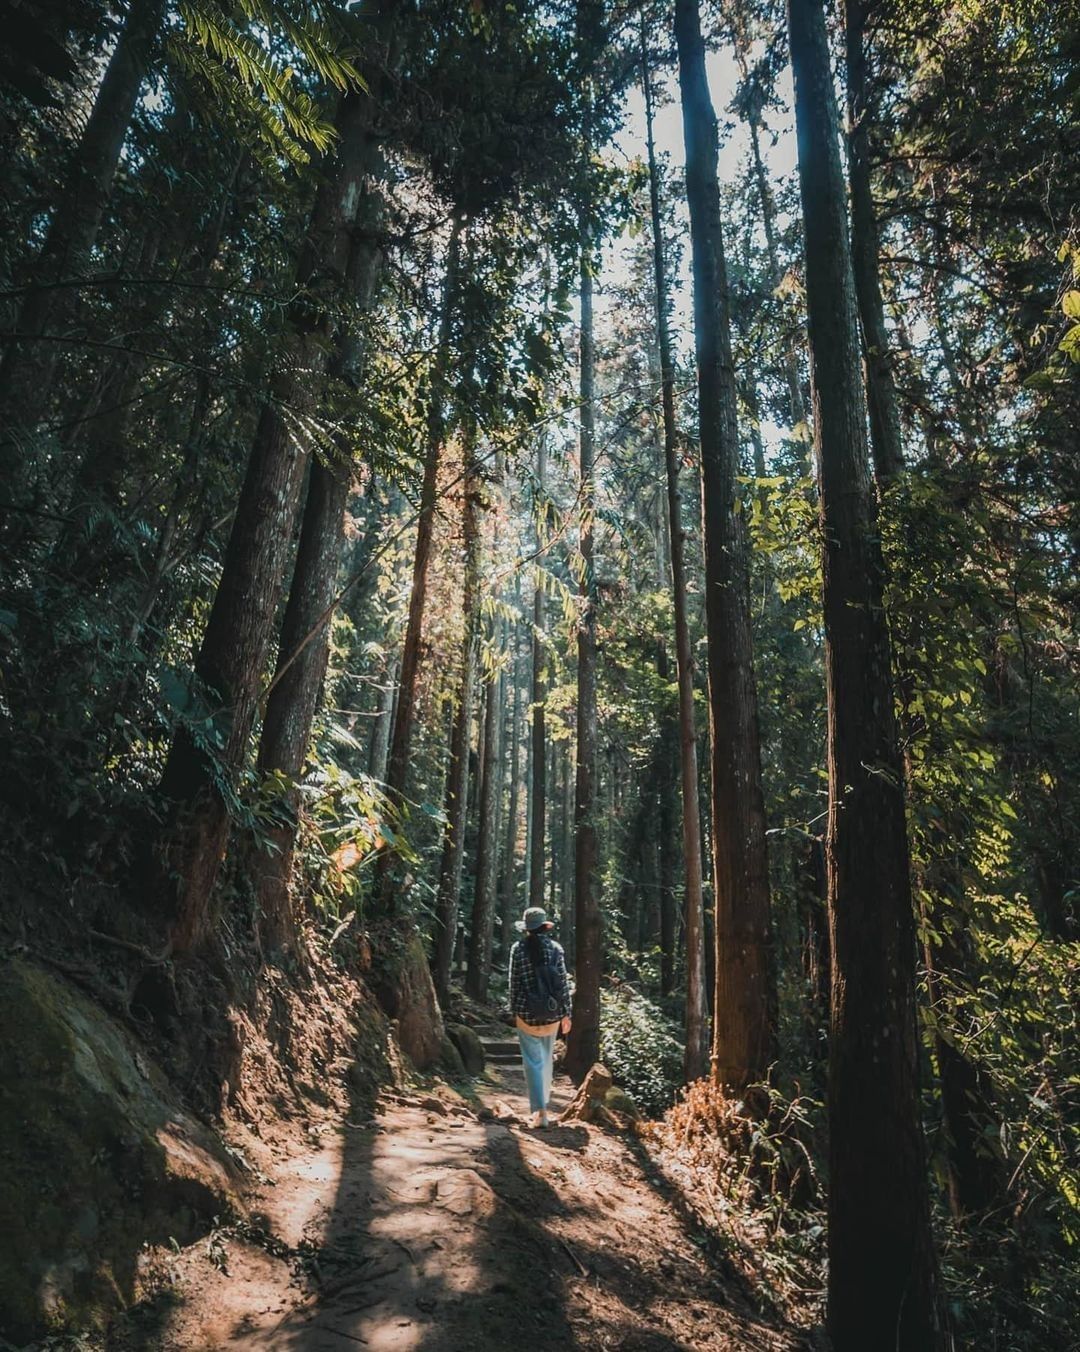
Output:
x=425 y=1232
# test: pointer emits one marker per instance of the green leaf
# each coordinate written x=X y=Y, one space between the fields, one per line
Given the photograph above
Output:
x=1070 y=303
x=1070 y=344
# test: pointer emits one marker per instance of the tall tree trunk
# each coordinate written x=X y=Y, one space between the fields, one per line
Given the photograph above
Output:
x=665 y=840
x=233 y=652
x=304 y=647
x=566 y=906
x=508 y=890
x=106 y=465
x=767 y=207
x=554 y=861
x=882 y=1270
x=697 y=1019
x=886 y=439
x=744 y=1013
x=397 y=768
x=583 y=1048
x=487 y=845
x=977 y=1179
x=28 y=365
x=457 y=776
x=538 y=761
x=812 y=892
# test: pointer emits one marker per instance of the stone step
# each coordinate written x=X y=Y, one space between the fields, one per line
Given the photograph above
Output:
x=501 y=1051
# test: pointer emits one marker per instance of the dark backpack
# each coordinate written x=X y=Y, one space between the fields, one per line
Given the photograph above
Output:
x=542 y=1005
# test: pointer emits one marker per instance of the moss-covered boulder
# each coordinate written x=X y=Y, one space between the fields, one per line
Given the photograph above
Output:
x=97 y=1159
x=470 y=1048
x=617 y=1100
x=450 y=1062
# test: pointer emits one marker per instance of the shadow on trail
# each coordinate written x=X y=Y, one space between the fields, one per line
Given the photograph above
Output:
x=436 y=1243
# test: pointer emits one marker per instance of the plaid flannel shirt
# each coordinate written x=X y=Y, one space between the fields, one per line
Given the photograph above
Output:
x=523 y=979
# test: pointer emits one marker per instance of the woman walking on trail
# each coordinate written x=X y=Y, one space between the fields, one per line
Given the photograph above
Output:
x=540 y=1004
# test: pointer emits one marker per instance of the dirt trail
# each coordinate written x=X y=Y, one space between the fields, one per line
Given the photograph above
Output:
x=419 y=1232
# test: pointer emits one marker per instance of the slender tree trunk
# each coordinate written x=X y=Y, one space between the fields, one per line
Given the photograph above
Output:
x=380 y=738
x=665 y=840
x=538 y=762
x=552 y=831
x=697 y=1019
x=483 y=912
x=509 y=876
x=882 y=1270
x=977 y=1179
x=527 y=890
x=886 y=439
x=233 y=652
x=635 y=843
x=583 y=1048
x=568 y=937
x=457 y=777
x=182 y=493
x=744 y=1014
x=767 y=207
x=404 y=714
x=28 y=365
x=812 y=890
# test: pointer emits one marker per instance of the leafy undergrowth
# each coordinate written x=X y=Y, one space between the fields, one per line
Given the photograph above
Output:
x=640 y=1045
x=751 y=1181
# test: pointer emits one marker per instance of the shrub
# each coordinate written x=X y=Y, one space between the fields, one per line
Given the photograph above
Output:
x=640 y=1045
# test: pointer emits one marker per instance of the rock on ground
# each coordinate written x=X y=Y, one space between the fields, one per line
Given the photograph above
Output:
x=97 y=1158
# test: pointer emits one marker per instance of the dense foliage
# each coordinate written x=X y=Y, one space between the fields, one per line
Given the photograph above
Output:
x=161 y=309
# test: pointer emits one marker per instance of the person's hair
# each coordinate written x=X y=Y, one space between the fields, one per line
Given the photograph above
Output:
x=534 y=946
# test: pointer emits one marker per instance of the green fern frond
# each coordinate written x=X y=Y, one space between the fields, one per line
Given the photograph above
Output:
x=319 y=41
x=268 y=135
x=259 y=73
x=236 y=53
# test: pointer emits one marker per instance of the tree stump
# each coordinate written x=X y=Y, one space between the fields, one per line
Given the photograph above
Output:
x=588 y=1103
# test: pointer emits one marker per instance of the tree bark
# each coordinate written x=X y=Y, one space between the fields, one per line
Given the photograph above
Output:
x=28 y=365
x=882 y=1270
x=665 y=844
x=767 y=207
x=302 y=658
x=483 y=912
x=401 y=739
x=457 y=777
x=697 y=1019
x=886 y=439
x=583 y=1048
x=566 y=907
x=200 y=777
x=105 y=470
x=538 y=762
x=977 y=1178
x=380 y=736
x=509 y=874
x=744 y=1013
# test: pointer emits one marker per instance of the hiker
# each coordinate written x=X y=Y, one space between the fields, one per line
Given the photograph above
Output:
x=540 y=1004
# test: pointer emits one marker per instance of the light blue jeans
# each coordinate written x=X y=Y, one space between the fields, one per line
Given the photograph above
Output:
x=537 y=1056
